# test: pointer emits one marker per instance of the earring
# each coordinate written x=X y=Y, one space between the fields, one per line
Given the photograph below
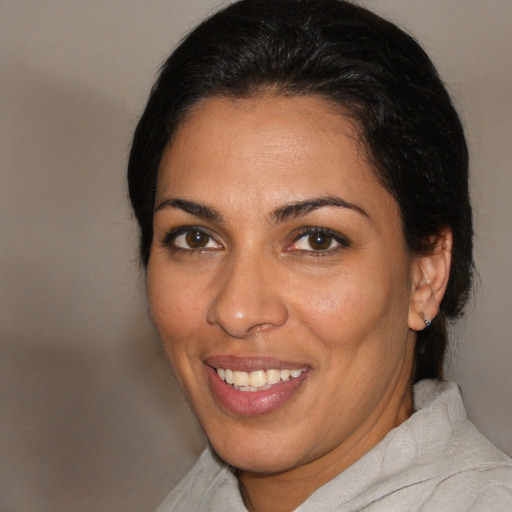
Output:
x=425 y=319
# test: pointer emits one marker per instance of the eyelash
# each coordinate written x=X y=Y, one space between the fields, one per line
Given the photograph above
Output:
x=170 y=238
x=334 y=236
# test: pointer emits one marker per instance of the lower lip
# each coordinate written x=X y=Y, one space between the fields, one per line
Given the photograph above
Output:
x=253 y=403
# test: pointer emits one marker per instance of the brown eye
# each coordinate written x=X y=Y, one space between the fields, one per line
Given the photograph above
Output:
x=320 y=241
x=191 y=239
x=196 y=239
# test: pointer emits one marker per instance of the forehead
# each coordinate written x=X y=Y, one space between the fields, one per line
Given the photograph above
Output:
x=267 y=150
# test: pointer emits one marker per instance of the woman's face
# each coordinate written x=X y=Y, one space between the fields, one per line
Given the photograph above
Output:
x=280 y=284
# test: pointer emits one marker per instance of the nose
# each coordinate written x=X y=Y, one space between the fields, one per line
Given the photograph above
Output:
x=248 y=298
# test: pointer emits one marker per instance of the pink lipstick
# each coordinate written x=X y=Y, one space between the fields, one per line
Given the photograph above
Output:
x=253 y=386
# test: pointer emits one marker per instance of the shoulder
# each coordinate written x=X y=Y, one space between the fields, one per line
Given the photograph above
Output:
x=209 y=486
x=435 y=461
x=190 y=492
x=478 y=490
x=469 y=474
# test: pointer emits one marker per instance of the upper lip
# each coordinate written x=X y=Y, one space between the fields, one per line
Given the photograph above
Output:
x=250 y=364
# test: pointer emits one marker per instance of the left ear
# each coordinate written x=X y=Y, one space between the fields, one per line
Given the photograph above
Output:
x=429 y=281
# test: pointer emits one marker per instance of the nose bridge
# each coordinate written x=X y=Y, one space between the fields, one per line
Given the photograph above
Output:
x=247 y=299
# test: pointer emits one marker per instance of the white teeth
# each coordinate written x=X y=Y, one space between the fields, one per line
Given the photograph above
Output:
x=240 y=379
x=246 y=388
x=257 y=380
x=273 y=376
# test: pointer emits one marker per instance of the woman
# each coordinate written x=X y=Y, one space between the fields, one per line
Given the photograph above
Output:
x=300 y=178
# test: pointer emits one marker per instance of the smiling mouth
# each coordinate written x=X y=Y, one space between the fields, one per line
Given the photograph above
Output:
x=258 y=380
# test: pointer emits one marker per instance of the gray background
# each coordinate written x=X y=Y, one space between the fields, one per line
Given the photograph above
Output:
x=90 y=418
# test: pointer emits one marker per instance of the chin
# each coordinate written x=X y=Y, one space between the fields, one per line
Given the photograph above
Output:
x=263 y=455
x=252 y=463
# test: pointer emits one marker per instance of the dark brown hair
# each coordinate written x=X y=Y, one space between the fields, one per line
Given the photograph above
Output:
x=375 y=72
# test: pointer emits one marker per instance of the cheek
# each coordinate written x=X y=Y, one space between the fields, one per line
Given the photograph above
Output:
x=175 y=308
x=355 y=315
x=341 y=307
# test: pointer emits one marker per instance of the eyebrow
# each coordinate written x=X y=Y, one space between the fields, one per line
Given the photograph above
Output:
x=196 y=209
x=281 y=214
x=296 y=209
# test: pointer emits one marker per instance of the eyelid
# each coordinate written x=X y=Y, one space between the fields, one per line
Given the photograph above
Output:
x=341 y=240
x=171 y=235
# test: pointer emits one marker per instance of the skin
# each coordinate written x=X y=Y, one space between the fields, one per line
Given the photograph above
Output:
x=257 y=287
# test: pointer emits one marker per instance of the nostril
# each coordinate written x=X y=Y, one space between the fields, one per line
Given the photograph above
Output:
x=248 y=299
x=247 y=318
